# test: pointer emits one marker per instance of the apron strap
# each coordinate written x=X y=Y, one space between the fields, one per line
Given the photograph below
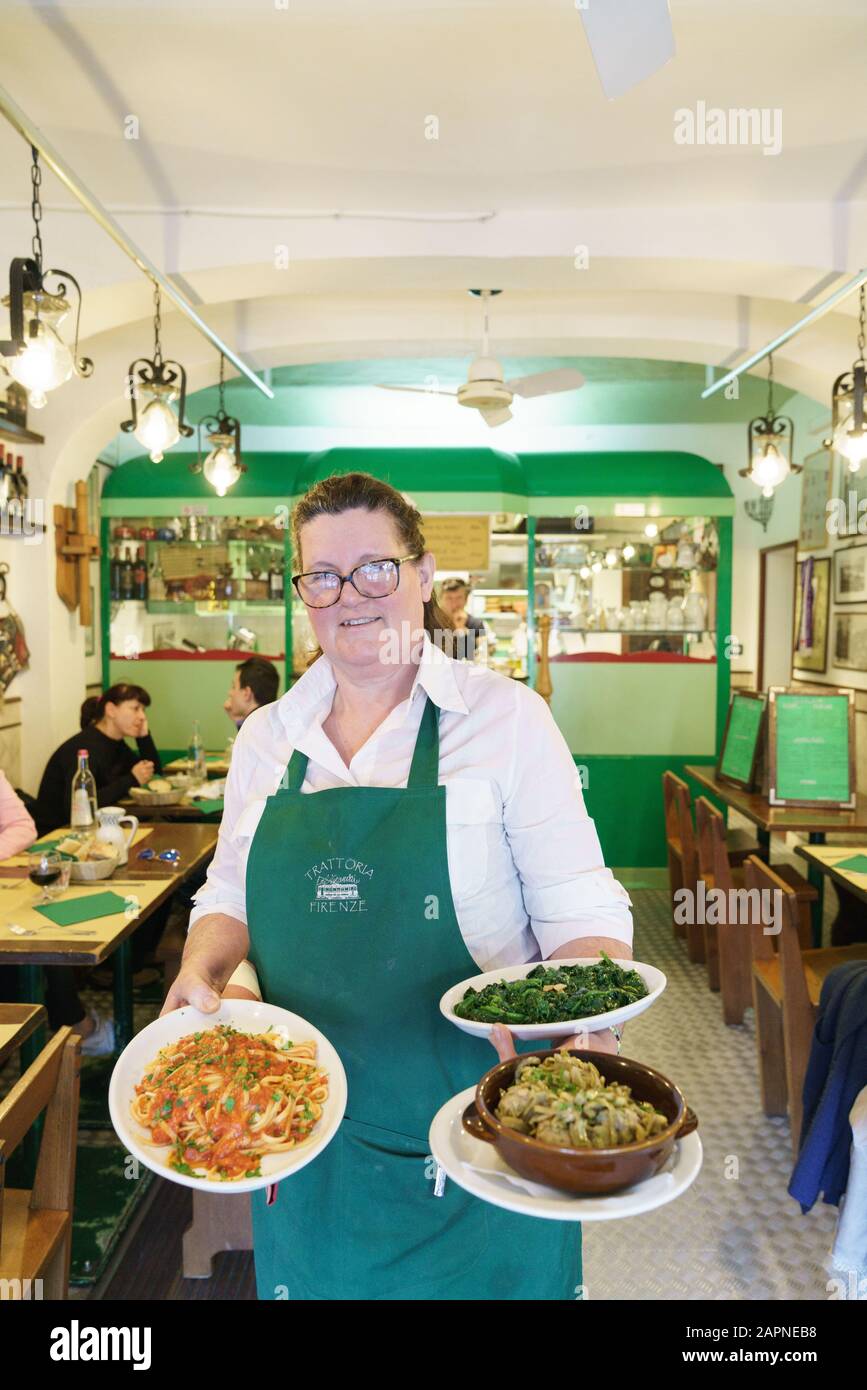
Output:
x=424 y=771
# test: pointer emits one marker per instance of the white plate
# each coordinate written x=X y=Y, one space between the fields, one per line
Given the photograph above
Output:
x=478 y=1168
x=653 y=978
x=248 y=1016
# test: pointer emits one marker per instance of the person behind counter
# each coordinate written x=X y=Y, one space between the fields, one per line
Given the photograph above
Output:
x=449 y=797
x=107 y=721
x=255 y=683
x=454 y=596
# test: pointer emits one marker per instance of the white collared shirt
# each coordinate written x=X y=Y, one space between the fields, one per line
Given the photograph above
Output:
x=525 y=865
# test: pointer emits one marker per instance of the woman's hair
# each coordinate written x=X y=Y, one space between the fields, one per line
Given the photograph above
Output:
x=94 y=706
x=345 y=491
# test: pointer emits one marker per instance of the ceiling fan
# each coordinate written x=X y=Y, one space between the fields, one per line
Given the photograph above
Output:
x=629 y=40
x=486 y=389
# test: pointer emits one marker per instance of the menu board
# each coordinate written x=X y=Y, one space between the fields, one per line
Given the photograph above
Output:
x=458 y=542
x=812 y=757
x=741 y=739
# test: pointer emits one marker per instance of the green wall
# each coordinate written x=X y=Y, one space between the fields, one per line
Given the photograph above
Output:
x=182 y=691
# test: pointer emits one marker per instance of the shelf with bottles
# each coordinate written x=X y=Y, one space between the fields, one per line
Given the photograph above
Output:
x=196 y=560
x=19 y=513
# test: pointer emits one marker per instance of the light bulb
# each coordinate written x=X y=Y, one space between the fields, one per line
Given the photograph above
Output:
x=157 y=429
x=44 y=362
x=221 y=468
x=596 y=567
x=585 y=571
x=852 y=446
x=651 y=530
x=767 y=492
x=628 y=552
x=611 y=558
x=769 y=467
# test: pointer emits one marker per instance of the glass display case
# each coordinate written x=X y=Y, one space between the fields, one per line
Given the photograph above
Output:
x=196 y=583
x=628 y=586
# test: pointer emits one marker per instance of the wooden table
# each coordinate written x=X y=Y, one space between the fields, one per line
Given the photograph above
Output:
x=769 y=820
x=38 y=942
x=17 y=1022
x=184 y=811
x=826 y=858
x=217 y=765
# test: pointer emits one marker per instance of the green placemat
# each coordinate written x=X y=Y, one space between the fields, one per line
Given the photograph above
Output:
x=856 y=864
x=209 y=806
x=69 y=914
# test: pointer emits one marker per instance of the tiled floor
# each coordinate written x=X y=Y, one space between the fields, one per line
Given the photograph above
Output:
x=736 y=1234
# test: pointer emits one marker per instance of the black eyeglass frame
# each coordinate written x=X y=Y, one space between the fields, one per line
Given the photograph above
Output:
x=349 y=579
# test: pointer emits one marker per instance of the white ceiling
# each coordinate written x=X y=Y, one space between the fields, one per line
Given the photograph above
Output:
x=303 y=125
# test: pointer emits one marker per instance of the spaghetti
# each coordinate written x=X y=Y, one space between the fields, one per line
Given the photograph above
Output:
x=223 y=1100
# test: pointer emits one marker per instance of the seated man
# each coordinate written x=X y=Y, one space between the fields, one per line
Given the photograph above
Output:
x=107 y=721
x=255 y=683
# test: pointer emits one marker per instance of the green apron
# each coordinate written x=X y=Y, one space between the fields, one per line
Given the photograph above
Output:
x=352 y=925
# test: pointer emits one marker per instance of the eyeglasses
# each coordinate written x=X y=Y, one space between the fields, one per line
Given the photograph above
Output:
x=373 y=579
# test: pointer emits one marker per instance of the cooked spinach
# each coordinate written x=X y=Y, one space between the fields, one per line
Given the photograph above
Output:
x=554 y=994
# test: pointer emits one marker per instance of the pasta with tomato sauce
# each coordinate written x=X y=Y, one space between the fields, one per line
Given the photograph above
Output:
x=224 y=1100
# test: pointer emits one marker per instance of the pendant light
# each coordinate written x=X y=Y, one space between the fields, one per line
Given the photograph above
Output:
x=222 y=467
x=770 y=440
x=848 y=426
x=36 y=355
x=161 y=383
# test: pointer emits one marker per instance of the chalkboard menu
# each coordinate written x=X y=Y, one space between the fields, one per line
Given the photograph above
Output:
x=740 y=745
x=812 y=748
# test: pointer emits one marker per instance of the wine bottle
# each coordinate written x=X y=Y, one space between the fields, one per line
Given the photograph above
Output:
x=127 y=583
x=22 y=482
x=275 y=582
x=198 y=762
x=83 y=808
x=114 y=569
x=5 y=480
x=140 y=576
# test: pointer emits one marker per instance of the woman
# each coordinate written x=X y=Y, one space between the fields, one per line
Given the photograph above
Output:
x=107 y=721
x=446 y=796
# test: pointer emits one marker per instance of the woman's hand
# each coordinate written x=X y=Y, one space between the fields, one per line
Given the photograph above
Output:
x=143 y=771
x=504 y=1044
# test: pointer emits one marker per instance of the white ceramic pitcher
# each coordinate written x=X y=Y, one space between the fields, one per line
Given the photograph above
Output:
x=111 y=819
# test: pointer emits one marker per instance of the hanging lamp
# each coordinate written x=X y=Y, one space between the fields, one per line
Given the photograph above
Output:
x=222 y=467
x=848 y=425
x=36 y=357
x=160 y=382
x=770 y=439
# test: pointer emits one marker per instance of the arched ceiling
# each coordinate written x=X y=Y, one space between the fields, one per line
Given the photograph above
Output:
x=303 y=125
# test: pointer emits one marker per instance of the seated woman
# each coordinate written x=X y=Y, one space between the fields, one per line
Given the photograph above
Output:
x=107 y=721
x=17 y=833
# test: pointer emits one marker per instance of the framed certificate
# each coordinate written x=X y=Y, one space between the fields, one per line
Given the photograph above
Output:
x=811 y=748
x=742 y=738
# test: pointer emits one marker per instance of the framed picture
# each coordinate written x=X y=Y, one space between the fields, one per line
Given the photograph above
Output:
x=811 y=741
x=850 y=574
x=810 y=645
x=817 y=484
x=850 y=641
x=851 y=488
x=742 y=738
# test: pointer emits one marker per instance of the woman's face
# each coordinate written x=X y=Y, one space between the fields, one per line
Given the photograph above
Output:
x=129 y=717
x=352 y=632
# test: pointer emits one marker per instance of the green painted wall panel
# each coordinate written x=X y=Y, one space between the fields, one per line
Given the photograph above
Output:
x=607 y=708
x=624 y=797
x=182 y=691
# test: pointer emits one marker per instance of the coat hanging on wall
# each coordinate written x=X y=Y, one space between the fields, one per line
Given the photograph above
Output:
x=75 y=548
x=14 y=656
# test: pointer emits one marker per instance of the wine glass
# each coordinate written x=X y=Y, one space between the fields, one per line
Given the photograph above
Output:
x=45 y=871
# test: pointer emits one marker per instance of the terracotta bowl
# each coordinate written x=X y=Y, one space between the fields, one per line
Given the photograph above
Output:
x=583 y=1170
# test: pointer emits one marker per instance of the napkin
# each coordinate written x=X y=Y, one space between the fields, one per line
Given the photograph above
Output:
x=856 y=864
x=83 y=909
x=209 y=805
